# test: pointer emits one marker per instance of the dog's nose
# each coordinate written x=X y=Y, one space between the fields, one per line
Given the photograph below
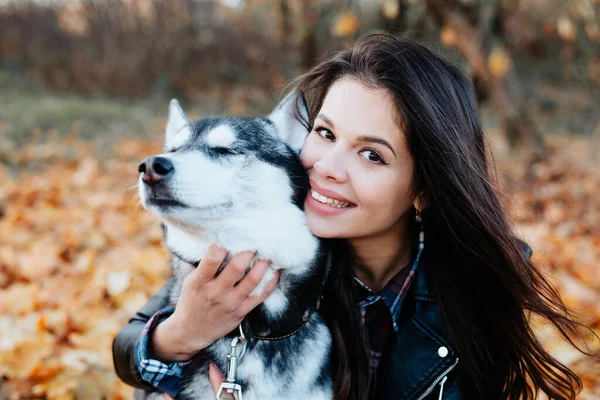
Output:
x=154 y=169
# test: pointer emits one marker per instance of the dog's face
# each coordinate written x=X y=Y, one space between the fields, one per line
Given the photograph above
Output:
x=223 y=168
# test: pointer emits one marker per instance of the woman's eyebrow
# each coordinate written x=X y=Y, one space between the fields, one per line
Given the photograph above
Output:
x=326 y=119
x=374 y=139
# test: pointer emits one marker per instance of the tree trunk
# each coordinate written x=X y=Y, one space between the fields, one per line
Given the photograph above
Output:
x=285 y=26
x=308 y=40
x=501 y=90
x=397 y=24
x=409 y=19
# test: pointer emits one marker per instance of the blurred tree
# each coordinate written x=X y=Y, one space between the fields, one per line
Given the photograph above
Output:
x=308 y=35
x=401 y=16
x=286 y=30
x=469 y=26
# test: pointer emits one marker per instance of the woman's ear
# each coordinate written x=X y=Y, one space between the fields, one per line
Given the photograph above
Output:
x=417 y=204
x=420 y=202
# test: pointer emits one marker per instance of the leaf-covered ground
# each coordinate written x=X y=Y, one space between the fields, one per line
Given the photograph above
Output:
x=78 y=256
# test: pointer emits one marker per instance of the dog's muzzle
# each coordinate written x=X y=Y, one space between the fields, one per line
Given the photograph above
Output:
x=156 y=172
x=155 y=169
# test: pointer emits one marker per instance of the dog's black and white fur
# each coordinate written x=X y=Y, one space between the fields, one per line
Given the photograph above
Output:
x=238 y=183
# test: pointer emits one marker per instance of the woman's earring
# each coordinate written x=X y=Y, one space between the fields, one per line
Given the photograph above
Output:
x=418 y=216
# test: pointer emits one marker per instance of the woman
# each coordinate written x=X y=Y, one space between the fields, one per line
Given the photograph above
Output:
x=430 y=292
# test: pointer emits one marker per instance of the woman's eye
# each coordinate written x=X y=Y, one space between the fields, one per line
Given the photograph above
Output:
x=324 y=133
x=372 y=156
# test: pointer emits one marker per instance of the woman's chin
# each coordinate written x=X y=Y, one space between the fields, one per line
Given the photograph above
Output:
x=325 y=229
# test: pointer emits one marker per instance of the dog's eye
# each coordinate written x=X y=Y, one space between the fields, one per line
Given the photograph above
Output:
x=224 y=151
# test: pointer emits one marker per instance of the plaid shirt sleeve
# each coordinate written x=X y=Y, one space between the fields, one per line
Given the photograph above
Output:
x=165 y=377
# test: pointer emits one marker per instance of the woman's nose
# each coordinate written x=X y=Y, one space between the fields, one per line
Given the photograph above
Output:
x=331 y=167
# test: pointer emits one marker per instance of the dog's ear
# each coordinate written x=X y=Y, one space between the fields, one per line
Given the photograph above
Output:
x=178 y=126
x=291 y=120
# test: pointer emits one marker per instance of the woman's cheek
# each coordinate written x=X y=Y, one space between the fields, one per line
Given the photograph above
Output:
x=308 y=154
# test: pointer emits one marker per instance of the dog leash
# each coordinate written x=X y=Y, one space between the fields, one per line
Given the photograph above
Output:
x=230 y=385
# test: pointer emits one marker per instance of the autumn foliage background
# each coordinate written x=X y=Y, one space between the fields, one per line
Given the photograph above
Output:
x=84 y=88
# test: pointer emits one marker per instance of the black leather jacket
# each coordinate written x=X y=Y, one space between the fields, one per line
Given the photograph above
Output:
x=421 y=364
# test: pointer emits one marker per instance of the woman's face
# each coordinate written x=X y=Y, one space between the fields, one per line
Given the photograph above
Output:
x=358 y=163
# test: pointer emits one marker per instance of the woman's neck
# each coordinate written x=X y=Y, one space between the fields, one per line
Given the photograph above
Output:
x=380 y=257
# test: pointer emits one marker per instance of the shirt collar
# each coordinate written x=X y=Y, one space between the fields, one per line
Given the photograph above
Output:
x=394 y=292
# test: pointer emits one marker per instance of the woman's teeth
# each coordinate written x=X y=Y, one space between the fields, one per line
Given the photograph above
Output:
x=326 y=200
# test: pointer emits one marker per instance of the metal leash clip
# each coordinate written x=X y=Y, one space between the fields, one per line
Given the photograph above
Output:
x=230 y=385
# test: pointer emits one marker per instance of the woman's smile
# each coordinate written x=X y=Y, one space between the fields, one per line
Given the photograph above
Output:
x=326 y=207
x=326 y=202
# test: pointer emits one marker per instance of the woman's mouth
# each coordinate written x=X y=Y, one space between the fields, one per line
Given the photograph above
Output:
x=324 y=205
x=327 y=200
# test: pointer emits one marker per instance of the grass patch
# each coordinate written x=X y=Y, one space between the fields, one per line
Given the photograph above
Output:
x=27 y=109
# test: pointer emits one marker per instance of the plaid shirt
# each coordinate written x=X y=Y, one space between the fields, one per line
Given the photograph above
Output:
x=380 y=311
x=165 y=377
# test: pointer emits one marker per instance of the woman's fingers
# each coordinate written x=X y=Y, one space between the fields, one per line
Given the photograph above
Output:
x=252 y=279
x=252 y=301
x=234 y=269
x=221 y=292
x=209 y=265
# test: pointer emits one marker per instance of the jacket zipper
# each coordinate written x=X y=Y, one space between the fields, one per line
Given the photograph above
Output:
x=437 y=380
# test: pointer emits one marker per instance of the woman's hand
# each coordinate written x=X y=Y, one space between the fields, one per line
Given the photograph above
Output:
x=210 y=307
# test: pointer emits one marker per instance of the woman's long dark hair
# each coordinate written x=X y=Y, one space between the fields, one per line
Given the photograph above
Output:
x=484 y=282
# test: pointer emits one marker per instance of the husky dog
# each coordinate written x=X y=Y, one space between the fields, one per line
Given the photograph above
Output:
x=238 y=182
